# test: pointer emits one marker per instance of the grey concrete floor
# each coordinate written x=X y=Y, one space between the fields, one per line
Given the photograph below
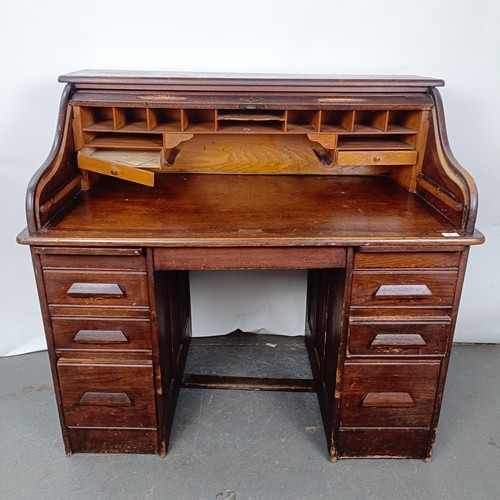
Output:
x=261 y=445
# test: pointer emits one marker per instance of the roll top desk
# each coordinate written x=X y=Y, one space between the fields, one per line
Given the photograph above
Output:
x=153 y=175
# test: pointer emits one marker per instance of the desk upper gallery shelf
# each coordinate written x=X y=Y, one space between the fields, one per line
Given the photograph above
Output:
x=321 y=161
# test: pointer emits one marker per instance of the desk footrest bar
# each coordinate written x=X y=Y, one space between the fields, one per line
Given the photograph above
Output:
x=247 y=383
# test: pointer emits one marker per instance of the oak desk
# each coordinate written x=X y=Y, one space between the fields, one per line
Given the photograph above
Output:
x=155 y=174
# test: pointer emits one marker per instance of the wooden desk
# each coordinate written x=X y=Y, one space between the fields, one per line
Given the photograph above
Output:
x=154 y=175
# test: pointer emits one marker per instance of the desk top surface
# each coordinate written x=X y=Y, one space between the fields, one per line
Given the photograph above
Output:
x=249 y=210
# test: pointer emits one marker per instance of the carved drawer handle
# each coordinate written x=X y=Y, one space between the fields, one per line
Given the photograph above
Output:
x=106 y=399
x=403 y=341
x=387 y=400
x=403 y=292
x=100 y=337
x=96 y=290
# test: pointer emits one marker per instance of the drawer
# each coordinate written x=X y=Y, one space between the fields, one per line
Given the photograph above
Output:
x=109 y=395
x=410 y=338
x=96 y=288
x=116 y=334
x=95 y=262
x=376 y=158
x=389 y=394
x=377 y=260
x=419 y=288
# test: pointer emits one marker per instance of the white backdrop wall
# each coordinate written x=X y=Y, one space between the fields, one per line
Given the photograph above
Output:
x=451 y=39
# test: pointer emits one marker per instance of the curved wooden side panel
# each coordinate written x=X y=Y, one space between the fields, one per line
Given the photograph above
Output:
x=58 y=179
x=443 y=182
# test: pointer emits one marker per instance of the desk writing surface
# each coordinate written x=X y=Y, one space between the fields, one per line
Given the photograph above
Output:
x=248 y=210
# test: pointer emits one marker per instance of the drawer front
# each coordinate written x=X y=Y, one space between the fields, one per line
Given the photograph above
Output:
x=377 y=260
x=403 y=288
x=389 y=394
x=101 y=334
x=248 y=258
x=96 y=288
x=382 y=338
x=107 y=395
x=376 y=157
x=125 y=262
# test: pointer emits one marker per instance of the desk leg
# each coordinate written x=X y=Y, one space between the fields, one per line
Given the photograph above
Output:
x=326 y=331
x=171 y=335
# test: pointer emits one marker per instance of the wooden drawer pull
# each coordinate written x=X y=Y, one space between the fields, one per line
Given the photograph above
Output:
x=96 y=290
x=403 y=341
x=403 y=292
x=100 y=337
x=388 y=400
x=106 y=399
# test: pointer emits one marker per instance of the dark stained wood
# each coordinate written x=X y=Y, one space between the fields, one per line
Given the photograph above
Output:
x=243 y=258
x=444 y=197
x=107 y=252
x=418 y=379
x=47 y=324
x=377 y=209
x=338 y=320
x=406 y=260
x=170 y=310
x=381 y=443
x=247 y=383
x=402 y=287
x=439 y=163
x=116 y=334
x=161 y=354
x=95 y=262
x=234 y=210
x=167 y=105
x=91 y=440
x=413 y=337
x=96 y=288
x=69 y=189
x=56 y=174
x=78 y=378
x=98 y=310
x=326 y=326
x=216 y=81
x=445 y=362
x=406 y=311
